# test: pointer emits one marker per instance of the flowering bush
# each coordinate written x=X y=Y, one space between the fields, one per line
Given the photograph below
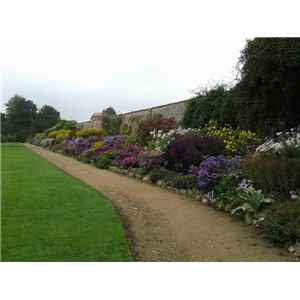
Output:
x=58 y=135
x=287 y=144
x=110 y=140
x=237 y=141
x=158 y=123
x=98 y=145
x=162 y=139
x=85 y=133
x=181 y=153
x=209 y=172
x=130 y=162
x=150 y=160
x=98 y=152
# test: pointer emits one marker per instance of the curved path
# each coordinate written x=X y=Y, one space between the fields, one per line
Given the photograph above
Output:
x=162 y=226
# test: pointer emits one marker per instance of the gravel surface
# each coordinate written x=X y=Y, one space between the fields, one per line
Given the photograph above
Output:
x=161 y=226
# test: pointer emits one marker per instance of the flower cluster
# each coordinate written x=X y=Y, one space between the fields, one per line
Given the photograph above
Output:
x=130 y=162
x=187 y=151
x=110 y=140
x=162 y=139
x=85 y=133
x=150 y=160
x=237 y=141
x=212 y=167
x=288 y=144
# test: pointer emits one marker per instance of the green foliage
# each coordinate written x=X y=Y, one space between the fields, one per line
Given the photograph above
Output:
x=126 y=129
x=111 y=124
x=45 y=118
x=269 y=88
x=210 y=103
x=105 y=159
x=158 y=123
x=3 y=139
x=274 y=173
x=173 y=179
x=111 y=111
x=250 y=202
x=65 y=125
x=282 y=222
x=19 y=115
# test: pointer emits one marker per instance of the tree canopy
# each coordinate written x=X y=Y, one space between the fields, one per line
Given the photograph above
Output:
x=23 y=118
x=268 y=90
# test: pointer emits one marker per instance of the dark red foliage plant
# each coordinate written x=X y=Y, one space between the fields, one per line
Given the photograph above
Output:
x=181 y=153
x=158 y=123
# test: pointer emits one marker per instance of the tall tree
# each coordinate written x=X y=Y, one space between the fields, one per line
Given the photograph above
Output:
x=111 y=111
x=268 y=90
x=46 y=118
x=20 y=113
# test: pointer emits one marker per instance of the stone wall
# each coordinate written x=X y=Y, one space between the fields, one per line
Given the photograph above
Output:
x=174 y=110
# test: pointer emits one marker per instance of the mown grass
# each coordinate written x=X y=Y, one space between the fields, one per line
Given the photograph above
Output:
x=49 y=216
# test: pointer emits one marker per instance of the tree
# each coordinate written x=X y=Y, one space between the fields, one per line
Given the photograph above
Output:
x=46 y=118
x=20 y=113
x=210 y=103
x=268 y=90
x=111 y=111
x=3 y=124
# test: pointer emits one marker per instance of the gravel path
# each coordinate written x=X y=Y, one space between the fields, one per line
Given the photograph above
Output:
x=163 y=227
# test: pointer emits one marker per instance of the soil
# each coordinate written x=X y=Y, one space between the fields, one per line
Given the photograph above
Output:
x=161 y=226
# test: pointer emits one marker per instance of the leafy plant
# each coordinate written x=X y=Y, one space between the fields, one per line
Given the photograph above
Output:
x=85 y=133
x=274 y=173
x=282 y=222
x=158 y=123
x=150 y=160
x=251 y=202
x=181 y=153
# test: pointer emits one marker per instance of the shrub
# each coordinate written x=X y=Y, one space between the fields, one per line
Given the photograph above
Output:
x=104 y=161
x=158 y=123
x=98 y=151
x=181 y=153
x=3 y=139
x=65 y=125
x=162 y=174
x=132 y=140
x=274 y=174
x=282 y=223
x=85 y=133
x=150 y=160
x=161 y=139
x=98 y=145
x=110 y=140
x=130 y=162
x=213 y=170
x=237 y=142
x=173 y=179
x=58 y=134
x=286 y=144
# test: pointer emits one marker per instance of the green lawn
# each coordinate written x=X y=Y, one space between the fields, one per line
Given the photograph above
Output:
x=47 y=215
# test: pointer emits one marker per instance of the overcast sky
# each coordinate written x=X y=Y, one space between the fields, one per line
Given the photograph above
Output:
x=80 y=76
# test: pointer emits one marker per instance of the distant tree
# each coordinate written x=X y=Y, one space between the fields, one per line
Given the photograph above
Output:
x=46 y=118
x=111 y=111
x=3 y=124
x=20 y=113
x=268 y=90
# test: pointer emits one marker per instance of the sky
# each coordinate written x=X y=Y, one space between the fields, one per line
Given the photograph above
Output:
x=80 y=76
